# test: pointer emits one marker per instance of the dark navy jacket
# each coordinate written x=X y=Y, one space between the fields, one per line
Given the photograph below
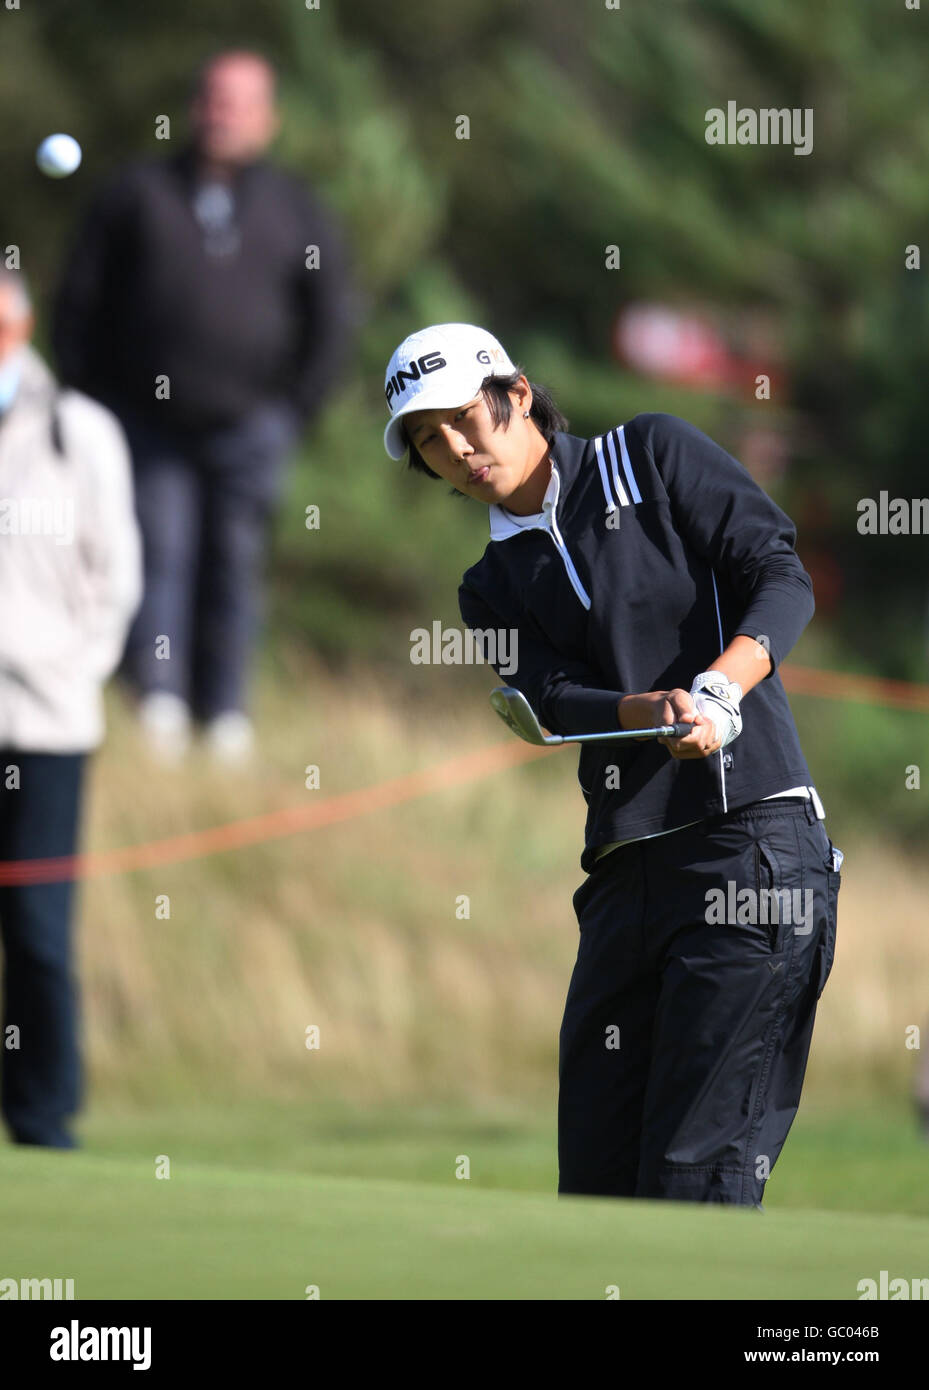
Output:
x=662 y=549
x=142 y=295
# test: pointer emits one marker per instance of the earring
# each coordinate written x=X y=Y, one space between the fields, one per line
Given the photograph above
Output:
x=525 y=414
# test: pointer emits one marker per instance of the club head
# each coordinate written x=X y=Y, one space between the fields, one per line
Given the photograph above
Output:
x=517 y=713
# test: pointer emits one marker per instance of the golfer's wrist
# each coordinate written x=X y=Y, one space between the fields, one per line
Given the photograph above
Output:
x=632 y=712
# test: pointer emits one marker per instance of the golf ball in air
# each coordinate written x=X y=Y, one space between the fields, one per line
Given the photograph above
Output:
x=58 y=156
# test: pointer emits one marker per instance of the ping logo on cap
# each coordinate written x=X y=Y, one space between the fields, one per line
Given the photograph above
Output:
x=419 y=367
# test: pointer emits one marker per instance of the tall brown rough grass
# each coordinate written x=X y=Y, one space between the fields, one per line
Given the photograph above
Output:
x=353 y=928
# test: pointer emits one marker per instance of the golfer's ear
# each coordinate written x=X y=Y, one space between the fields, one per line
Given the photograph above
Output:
x=523 y=393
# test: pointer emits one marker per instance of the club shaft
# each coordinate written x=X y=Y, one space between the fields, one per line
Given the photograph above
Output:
x=663 y=731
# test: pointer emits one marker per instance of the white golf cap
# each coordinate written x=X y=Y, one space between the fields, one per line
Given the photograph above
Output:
x=437 y=368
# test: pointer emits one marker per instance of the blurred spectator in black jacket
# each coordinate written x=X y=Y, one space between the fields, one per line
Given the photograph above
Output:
x=206 y=301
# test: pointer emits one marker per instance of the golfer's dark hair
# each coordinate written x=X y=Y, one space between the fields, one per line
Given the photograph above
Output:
x=544 y=412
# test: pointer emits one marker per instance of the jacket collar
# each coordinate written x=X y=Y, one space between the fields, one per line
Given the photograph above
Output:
x=566 y=453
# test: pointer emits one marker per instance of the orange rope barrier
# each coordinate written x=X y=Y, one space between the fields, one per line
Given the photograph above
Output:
x=840 y=685
x=273 y=826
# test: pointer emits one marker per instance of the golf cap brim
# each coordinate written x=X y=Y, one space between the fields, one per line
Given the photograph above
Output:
x=437 y=368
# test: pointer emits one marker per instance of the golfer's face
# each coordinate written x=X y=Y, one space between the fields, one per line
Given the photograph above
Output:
x=463 y=446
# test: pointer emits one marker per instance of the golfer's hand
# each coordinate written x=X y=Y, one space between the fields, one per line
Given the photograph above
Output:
x=656 y=707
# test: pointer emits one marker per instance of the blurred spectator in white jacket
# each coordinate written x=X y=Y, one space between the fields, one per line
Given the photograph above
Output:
x=70 y=582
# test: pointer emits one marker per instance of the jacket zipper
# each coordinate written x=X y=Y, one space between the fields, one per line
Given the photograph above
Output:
x=553 y=531
x=573 y=575
x=722 y=646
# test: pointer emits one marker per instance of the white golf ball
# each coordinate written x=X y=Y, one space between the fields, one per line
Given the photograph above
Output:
x=58 y=156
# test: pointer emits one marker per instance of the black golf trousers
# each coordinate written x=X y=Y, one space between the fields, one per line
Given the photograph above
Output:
x=690 y=1011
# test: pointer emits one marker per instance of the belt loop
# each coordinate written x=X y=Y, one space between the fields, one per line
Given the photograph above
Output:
x=810 y=811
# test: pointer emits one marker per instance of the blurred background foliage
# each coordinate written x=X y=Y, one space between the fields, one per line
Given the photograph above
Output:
x=586 y=130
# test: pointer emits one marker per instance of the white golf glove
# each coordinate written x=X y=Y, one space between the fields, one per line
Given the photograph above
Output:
x=717 y=697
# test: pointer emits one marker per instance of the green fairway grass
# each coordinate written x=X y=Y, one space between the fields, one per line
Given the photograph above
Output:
x=217 y=1232
x=845 y=1158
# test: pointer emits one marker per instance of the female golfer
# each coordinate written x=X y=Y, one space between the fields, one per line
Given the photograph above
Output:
x=642 y=578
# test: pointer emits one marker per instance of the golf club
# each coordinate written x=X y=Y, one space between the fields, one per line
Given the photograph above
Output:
x=516 y=712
